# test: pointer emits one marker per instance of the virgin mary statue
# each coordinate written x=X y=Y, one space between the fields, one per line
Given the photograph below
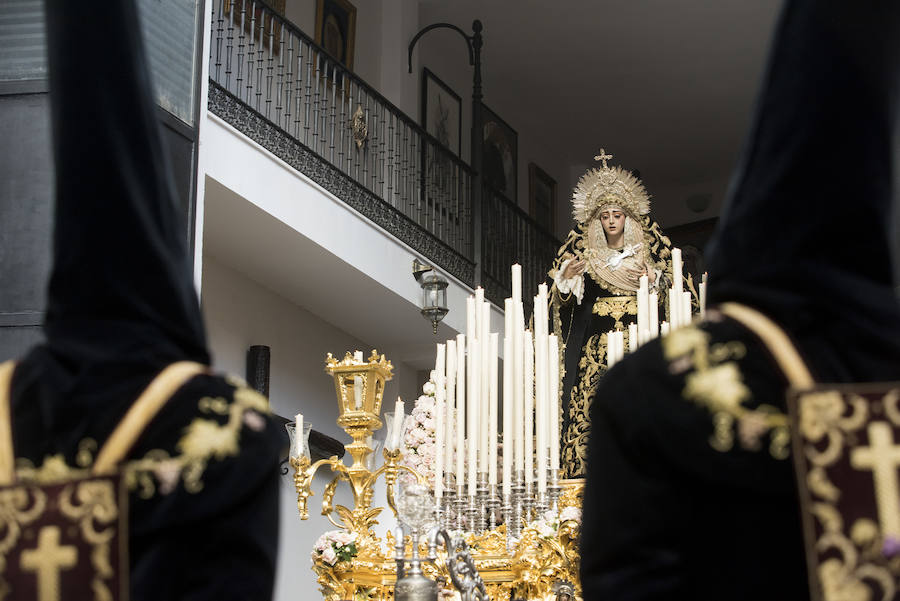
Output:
x=596 y=276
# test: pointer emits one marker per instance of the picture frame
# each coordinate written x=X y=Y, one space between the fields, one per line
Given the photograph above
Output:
x=542 y=197
x=270 y=29
x=500 y=155
x=441 y=112
x=336 y=30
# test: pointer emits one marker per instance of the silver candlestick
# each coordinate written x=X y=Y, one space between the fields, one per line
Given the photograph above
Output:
x=481 y=492
x=517 y=490
x=509 y=518
x=493 y=507
x=462 y=503
x=555 y=490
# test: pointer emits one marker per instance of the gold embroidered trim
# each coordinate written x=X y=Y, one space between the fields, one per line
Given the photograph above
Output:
x=714 y=381
x=142 y=411
x=7 y=456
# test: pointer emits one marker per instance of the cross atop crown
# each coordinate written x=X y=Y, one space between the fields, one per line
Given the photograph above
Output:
x=603 y=157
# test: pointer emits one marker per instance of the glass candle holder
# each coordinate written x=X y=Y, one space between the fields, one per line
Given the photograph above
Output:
x=299 y=444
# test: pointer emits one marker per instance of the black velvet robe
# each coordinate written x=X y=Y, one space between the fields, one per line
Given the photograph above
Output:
x=121 y=306
x=671 y=511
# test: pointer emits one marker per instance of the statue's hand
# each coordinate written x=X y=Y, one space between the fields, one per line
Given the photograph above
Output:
x=574 y=269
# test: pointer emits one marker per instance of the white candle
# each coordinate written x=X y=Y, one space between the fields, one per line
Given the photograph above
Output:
x=440 y=392
x=297 y=447
x=703 y=296
x=664 y=328
x=508 y=429
x=654 y=315
x=529 y=407
x=492 y=414
x=610 y=349
x=620 y=345
x=471 y=322
x=540 y=390
x=439 y=438
x=357 y=392
x=553 y=342
x=473 y=415
x=516 y=283
x=643 y=308
x=397 y=434
x=485 y=441
x=686 y=307
x=518 y=386
x=675 y=297
x=632 y=337
x=450 y=403
x=460 y=410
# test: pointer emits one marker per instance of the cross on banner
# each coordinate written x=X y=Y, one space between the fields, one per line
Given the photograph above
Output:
x=882 y=457
x=47 y=561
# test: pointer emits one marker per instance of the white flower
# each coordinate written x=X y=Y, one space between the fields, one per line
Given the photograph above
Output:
x=570 y=514
x=329 y=556
x=429 y=423
x=544 y=529
x=429 y=388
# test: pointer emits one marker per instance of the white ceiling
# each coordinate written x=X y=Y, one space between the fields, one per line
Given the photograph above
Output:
x=667 y=85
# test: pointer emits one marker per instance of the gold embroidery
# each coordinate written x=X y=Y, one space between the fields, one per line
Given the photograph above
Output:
x=714 y=381
x=47 y=561
x=577 y=432
x=616 y=307
x=851 y=559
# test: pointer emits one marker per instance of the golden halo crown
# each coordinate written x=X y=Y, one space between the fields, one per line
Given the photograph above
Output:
x=607 y=186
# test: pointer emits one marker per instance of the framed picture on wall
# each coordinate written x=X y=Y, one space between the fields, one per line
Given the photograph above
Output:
x=336 y=30
x=500 y=154
x=441 y=112
x=542 y=197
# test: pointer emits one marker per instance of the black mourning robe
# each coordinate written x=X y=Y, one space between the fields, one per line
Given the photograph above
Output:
x=681 y=503
x=121 y=307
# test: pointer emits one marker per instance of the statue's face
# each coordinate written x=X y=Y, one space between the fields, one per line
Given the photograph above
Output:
x=613 y=222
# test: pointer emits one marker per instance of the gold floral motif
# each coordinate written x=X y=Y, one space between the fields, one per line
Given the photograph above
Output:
x=616 y=307
x=577 y=429
x=853 y=562
x=93 y=503
x=714 y=381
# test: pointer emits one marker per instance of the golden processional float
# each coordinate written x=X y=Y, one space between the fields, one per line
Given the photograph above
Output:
x=521 y=544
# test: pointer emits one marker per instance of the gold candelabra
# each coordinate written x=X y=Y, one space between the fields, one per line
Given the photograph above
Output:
x=538 y=567
x=359 y=385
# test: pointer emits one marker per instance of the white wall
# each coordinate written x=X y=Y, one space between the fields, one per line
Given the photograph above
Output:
x=240 y=313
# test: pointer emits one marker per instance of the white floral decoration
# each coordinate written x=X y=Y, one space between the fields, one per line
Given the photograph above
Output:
x=334 y=546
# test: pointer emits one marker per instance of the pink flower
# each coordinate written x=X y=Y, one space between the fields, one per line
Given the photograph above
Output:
x=329 y=556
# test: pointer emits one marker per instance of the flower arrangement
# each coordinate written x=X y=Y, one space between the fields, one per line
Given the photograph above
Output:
x=418 y=450
x=547 y=526
x=335 y=546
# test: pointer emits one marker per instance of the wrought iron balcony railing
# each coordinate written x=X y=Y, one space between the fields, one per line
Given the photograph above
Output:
x=273 y=83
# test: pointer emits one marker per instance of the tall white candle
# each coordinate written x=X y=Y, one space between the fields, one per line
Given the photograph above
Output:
x=553 y=343
x=529 y=407
x=440 y=393
x=516 y=271
x=473 y=415
x=703 y=296
x=492 y=414
x=450 y=403
x=518 y=386
x=460 y=410
x=643 y=307
x=484 y=398
x=540 y=391
x=611 y=353
x=654 y=315
x=508 y=431
x=439 y=437
x=471 y=323
x=676 y=298
x=297 y=446
x=686 y=307
x=664 y=328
